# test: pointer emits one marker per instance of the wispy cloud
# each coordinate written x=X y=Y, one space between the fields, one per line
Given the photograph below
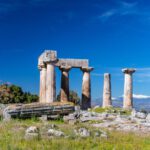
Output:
x=140 y=96
x=143 y=69
x=123 y=8
x=106 y=15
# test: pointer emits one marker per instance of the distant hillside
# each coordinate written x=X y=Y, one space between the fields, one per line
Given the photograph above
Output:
x=139 y=103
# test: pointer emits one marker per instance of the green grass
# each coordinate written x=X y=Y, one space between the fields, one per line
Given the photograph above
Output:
x=112 y=110
x=12 y=138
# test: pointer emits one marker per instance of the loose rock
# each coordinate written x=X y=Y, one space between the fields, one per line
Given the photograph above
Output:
x=55 y=133
x=82 y=132
x=32 y=132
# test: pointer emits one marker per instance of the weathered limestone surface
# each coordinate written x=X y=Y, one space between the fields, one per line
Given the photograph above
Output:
x=64 y=93
x=86 y=89
x=107 y=91
x=50 y=84
x=43 y=72
x=37 y=110
x=76 y=63
x=128 y=88
x=50 y=56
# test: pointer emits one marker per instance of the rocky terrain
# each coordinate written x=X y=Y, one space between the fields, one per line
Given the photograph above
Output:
x=113 y=119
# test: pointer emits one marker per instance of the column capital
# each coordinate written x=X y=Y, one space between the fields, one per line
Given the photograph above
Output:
x=41 y=66
x=128 y=70
x=87 y=69
x=50 y=56
x=107 y=74
x=65 y=68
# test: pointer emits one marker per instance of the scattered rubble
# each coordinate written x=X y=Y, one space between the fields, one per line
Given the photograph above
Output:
x=114 y=120
x=32 y=132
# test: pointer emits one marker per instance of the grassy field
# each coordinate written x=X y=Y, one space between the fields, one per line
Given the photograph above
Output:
x=12 y=138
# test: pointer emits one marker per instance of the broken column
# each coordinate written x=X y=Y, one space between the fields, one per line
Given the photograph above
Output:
x=128 y=88
x=107 y=102
x=86 y=89
x=64 y=93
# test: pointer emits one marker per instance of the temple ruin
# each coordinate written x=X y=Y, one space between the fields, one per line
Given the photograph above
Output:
x=47 y=62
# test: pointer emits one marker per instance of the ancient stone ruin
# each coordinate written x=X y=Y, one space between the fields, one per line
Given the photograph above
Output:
x=47 y=63
x=128 y=88
x=47 y=104
x=107 y=102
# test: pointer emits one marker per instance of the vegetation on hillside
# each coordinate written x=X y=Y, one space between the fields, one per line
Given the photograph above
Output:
x=112 y=110
x=15 y=94
x=73 y=97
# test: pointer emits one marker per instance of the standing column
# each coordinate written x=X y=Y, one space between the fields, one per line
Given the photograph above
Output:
x=128 y=88
x=43 y=71
x=50 y=83
x=107 y=91
x=64 y=93
x=86 y=89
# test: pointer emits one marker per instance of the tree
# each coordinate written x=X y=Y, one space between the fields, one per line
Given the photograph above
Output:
x=73 y=97
x=15 y=94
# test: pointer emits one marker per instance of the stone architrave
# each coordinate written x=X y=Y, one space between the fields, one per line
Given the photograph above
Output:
x=128 y=88
x=86 y=88
x=107 y=102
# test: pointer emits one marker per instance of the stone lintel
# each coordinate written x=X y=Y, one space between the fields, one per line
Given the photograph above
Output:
x=87 y=69
x=75 y=63
x=128 y=70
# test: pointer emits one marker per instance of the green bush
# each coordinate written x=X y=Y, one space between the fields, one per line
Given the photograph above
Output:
x=15 y=94
x=73 y=97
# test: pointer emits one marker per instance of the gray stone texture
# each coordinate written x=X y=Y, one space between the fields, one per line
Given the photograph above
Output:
x=128 y=88
x=107 y=91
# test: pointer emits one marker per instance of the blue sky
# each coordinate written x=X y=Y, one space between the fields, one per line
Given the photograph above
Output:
x=112 y=34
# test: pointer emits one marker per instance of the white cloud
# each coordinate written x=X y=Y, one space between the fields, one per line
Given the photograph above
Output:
x=143 y=69
x=123 y=8
x=127 y=4
x=107 y=14
x=140 y=96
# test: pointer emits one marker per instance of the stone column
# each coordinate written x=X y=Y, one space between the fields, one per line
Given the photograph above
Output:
x=64 y=93
x=50 y=83
x=128 y=88
x=43 y=71
x=86 y=89
x=107 y=91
